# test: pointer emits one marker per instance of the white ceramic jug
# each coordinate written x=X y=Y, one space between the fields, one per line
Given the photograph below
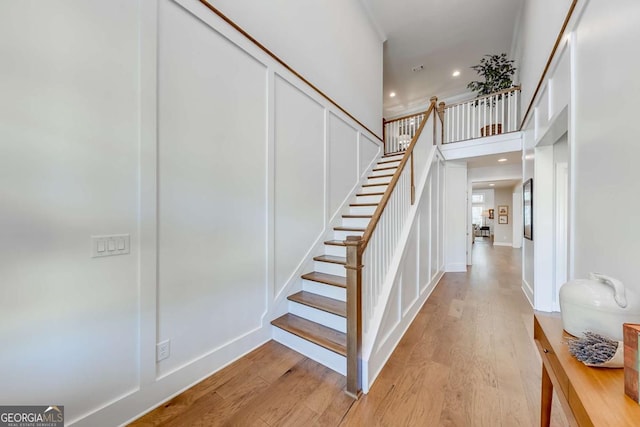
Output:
x=600 y=304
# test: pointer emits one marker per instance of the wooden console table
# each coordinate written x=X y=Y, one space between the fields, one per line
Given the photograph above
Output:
x=589 y=396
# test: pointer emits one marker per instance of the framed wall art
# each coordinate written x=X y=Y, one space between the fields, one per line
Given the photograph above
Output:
x=503 y=219
x=503 y=210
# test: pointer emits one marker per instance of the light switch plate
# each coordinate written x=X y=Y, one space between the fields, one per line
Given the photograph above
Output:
x=109 y=245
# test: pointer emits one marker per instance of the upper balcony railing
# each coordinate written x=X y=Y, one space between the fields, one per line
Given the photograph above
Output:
x=484 y=116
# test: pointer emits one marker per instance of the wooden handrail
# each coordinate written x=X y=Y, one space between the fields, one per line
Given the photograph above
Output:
x=284 y=64
x=548 y=64
x=394 y=180
x=508 y=90
x=406 y=117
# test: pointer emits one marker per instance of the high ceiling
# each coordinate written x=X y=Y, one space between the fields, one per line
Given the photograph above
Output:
x=442 y=36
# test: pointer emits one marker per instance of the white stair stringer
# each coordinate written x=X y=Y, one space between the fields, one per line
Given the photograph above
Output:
x=371 y=337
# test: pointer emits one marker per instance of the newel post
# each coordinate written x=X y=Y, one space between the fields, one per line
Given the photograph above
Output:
x=354 y=315
x=441 y=115
x=384 y=135
x=434 y=101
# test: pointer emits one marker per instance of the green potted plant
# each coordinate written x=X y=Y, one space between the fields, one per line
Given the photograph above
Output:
x=497 y=71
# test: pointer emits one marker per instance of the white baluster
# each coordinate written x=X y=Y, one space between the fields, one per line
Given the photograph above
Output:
x=497 y=110
x=474 y=110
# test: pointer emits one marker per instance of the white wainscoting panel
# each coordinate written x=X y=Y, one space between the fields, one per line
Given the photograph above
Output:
x=343 y=161
x=211 y=173
x=299 y=177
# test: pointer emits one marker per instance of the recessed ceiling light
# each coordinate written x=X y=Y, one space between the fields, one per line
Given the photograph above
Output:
x=491 y=185
x=392 y=94
x=502 y=160
x=456 y=73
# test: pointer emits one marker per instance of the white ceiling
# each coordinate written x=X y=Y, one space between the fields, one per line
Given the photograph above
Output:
x=506 y=183
x=513 y=158
x=442 y=35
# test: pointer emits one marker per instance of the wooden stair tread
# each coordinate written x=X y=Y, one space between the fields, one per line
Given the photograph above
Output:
x=362 y=204
x=330 y=305
x=384 y=168
x=328 y=338
x=328 y=279
x=357 y=216
x=397 y=153
x=335 y=242
x=387 y=161
x=375 y=185
x=341 y=228
x=380 y=176
x=331 y=258
x=370 y=194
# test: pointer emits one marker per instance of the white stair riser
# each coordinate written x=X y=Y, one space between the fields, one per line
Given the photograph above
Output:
x=325 y=290
x=320 y=354
x=381 y=180
x=362 y=210
x=383 y=172
x=355 y=222
x=329 y=320
x=335 y=250
x=394 y=158
x=374 y=189
x=330 y=268
x=369 y=199
x=342 y=235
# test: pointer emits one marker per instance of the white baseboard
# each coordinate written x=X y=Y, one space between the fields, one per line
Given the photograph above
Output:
x=502 y=244
x=528 y=291
x=149 y=396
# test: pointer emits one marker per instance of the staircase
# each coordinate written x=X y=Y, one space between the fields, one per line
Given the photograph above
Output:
x=316 y=322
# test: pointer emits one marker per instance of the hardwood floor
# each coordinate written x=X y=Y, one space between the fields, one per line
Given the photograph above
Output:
x=468 y=359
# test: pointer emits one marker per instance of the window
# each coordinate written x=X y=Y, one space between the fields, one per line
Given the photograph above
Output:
x=477 y=198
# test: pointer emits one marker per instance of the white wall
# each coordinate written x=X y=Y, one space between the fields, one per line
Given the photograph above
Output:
x=503 y=233
x=536 y=32
x=159 y=120
x=332 y=44
x=594 y=63
x=455 y=247
x=606 y=141
x=517 y=228
x=69 y=169
x=528 y=246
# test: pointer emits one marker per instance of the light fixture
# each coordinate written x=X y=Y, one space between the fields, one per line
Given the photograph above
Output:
x=502 y=160
x=492 y=185
x=392 y=94
x=456 y=73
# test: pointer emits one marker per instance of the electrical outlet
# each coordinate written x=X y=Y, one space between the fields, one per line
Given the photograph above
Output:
x=163 y=350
